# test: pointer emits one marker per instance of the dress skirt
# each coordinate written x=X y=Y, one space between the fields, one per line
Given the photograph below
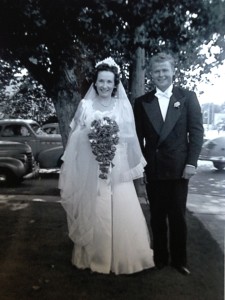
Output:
x=121 y=242
x=105 y=219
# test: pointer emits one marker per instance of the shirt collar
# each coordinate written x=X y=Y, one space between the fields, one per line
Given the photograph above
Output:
x=167 y=93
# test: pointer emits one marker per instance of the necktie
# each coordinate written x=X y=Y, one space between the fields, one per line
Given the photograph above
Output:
x=165 y=94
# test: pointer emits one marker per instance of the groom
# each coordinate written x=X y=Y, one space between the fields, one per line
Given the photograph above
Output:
x=169 y=127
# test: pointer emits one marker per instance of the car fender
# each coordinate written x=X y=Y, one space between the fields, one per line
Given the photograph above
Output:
x=14 y=165
x=50 y=158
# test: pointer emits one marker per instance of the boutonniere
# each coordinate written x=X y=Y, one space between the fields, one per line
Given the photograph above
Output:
x=177 y=104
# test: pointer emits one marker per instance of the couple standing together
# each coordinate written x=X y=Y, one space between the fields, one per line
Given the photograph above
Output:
x=109 y=146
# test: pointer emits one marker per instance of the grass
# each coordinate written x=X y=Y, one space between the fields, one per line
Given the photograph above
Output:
x=35 y=263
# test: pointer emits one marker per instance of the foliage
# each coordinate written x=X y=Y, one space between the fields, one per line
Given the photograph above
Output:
x=59 y=42
x=21 y=96
x=48 y=35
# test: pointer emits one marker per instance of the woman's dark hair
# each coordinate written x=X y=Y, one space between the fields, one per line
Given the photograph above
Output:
x=106 y=67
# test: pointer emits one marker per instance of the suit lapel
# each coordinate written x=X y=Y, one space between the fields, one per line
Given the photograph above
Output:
x=172 y=115
x=152 y=109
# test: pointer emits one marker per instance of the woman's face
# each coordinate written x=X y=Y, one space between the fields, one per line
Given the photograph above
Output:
x=105 y=83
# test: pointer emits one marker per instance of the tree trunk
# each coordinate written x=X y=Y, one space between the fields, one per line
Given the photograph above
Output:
x=138 y=67
x=66 y=99
x=65 y=105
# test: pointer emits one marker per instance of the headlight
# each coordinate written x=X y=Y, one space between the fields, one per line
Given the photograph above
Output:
x=24 y=158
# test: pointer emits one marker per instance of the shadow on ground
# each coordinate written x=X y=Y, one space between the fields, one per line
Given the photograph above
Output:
x=35 y=263
x=43 y=184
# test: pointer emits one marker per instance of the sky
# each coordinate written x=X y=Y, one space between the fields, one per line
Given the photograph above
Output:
x=213 y=92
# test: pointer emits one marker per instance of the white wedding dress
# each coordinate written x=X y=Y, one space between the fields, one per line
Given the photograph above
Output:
x=105 y=219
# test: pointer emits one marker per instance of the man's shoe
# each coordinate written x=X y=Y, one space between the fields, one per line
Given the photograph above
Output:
x=183 y=270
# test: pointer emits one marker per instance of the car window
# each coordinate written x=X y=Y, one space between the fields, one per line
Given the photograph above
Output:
x=15 y=130
x=24 y=131
x=50 y=130
x=9 y=130
x=37 y=129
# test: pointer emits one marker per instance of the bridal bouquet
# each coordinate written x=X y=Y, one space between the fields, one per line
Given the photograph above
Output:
x=103 y=138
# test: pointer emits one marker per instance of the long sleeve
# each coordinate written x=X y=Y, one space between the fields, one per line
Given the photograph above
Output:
x=195 y=129
x=138 y=123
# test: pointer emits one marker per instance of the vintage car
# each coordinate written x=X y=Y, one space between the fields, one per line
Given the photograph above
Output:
x=47 y=149
x=51 y=128
x=16 y=162
x=214 y=150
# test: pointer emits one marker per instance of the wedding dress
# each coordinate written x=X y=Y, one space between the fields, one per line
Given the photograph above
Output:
x=105 y=219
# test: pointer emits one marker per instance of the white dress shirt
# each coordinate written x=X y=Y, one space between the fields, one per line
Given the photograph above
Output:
x=164 y=99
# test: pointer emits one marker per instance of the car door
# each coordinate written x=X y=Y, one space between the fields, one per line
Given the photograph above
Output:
x=20 y=133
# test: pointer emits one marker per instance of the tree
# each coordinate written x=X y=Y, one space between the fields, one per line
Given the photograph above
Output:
x=183 y=28
x=59 y=41
x=21 y=96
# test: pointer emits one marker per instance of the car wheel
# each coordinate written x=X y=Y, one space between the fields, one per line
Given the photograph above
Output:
x=219 y=166
x=8 y=177
x=59 y=163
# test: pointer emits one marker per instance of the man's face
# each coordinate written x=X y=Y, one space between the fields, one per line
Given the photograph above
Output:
x=162 y=74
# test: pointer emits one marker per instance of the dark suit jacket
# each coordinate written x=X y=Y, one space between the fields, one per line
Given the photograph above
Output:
x=168 y=146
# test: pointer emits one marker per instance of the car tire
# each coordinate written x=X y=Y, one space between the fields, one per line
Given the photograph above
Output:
x=59 y=162
x=219 y=166
x=8 y=177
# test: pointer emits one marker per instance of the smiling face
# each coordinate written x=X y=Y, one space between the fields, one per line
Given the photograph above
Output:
x=162 y=74
x=105 y=83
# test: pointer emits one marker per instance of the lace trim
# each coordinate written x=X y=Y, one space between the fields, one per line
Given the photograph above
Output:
x=135 y=173
x=104 y=112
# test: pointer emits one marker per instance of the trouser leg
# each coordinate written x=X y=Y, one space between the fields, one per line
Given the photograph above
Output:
x=158 y=221
x=177 y=222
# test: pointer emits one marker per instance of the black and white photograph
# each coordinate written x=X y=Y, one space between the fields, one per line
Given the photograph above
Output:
x=112 y=149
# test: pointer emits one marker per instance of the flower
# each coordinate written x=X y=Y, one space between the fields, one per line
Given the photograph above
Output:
x=177 y=104
x=103 y=139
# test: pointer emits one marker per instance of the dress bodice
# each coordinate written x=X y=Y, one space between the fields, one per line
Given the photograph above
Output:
x=94 y=112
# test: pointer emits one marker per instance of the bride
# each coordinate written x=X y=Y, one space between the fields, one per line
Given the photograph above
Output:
x=101 y=160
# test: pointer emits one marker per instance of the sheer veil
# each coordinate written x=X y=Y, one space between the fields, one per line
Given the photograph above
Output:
x=123 y=114
x=79 y=179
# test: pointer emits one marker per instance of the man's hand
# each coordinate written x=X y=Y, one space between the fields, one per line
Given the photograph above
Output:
x=189 y=171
